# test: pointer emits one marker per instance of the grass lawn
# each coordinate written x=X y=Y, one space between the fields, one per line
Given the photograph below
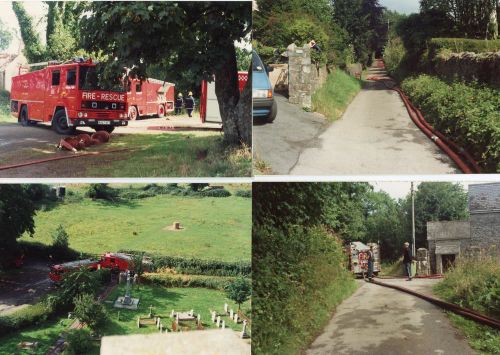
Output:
x=172 y=155
x=482 y=338
x=215 y=228
x=335 y=95
x=46 y=335
x=163 y=300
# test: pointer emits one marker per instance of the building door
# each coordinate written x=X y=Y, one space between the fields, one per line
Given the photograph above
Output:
x=448 y=261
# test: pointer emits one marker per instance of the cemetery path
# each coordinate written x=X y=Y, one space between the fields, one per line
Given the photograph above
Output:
x=375 y=136
x=377 y=320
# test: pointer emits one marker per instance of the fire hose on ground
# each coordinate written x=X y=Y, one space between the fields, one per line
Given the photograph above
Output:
x=460 y=156
x=464 y=312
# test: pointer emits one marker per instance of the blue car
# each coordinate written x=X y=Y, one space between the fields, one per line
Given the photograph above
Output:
x=264 y=104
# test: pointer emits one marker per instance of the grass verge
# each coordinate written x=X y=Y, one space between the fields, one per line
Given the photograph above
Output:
x=172 y=155
x=473 y=283
x=5 y=116
x=334 y=96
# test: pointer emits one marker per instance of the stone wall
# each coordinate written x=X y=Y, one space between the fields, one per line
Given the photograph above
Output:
x=484 y=67
x=484 y=208
x=304 y=77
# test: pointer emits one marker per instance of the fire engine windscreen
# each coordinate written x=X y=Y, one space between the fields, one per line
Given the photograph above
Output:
x=90 y=79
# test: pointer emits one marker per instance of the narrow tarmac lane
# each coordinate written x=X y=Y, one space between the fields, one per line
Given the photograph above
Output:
x=378 y=320
x=375 y=136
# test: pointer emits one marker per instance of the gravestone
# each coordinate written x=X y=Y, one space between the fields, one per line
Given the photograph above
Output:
x=172 y=314
x=213 y=316
x=127 y=301
x=244 y=334
x=223 y=324
x=236 y=318
x=231 y=314
x=225 y=307
x=218 y=321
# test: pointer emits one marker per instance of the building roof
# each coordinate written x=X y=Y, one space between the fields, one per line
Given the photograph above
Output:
x=203 y=342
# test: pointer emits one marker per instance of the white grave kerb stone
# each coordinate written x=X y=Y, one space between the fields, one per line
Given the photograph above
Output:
x=225 y=307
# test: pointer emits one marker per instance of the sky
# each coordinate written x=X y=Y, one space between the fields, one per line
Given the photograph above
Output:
x=403 y=6
x=400 y=189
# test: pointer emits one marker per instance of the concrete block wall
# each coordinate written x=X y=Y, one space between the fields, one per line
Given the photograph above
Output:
x=484 y=208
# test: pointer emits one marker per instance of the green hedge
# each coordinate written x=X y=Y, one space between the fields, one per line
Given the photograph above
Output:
x=42 y=251
x=31 y=315
x=467 y=113
x=244 y=193
x=458 y=45
x=199 y=267
x=215 y=193
x=173 y=280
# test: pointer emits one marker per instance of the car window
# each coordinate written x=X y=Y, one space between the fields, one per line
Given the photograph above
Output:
x=71 y=77
x=56 y=77
x=257 y=65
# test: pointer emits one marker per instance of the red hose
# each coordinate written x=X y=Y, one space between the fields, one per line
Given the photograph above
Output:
x=468 y=166
x=40 y=161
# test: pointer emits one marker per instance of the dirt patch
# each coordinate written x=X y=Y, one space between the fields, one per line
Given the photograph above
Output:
x=174 y=227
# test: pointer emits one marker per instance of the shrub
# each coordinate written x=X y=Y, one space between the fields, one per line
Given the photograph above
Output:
x=466 y=113
x=394 y=55
x=215 y=193
x=79 y=342
x=42 y=251
x=175 y=280
x=25 y=317
x=243 y=193
x=239 y=290
x=90 y=311
x=60 y=243
x=198 y=266
x=101 y=192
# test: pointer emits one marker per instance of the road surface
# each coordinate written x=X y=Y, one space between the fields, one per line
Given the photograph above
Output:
x=378 y=320
x=19 y=288
x=375 y=136
x=280 y=143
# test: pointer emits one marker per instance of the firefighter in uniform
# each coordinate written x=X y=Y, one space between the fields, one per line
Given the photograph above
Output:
x=179 y=102
x=190 y=103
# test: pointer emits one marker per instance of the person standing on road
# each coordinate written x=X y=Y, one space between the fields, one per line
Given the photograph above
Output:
x=179 y=102
x=370 y=263
x=190 y=103
x=407 y=259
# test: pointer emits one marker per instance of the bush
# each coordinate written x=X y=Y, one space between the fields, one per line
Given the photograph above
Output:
x=239 y=290
x=60 y=243
x=215 y=193
x=25 y=317
x=243 y=193
x=198 y=266
x=42 y=251
x=300 y=275
x=90 y=311
x=473 y=283
x=174 y=280
x=79 y=342
x=394 y=55
x=466 y=113
x=101 y=192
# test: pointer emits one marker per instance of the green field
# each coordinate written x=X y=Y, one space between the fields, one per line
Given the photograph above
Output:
x=163 y=301
x=214 y=228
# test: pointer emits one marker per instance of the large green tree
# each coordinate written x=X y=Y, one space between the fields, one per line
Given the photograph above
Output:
x=471 y=18
x=5 y=36
x=194 y=37
x=16 y=217
x=434 y=201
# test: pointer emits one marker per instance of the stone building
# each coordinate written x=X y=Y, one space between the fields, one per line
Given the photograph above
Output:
x=9 y=67
x=449 y=239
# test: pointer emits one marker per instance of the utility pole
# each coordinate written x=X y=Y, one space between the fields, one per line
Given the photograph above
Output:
x=412 y=220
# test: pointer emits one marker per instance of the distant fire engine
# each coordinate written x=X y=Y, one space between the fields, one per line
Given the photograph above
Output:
x=67 y=95
x=150 y=97
x=115 y=261
x=358 y=258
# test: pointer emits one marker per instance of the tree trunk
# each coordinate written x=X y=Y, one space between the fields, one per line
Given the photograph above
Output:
x=235 y=110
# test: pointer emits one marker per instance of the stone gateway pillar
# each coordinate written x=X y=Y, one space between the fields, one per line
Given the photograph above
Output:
x=299 y=75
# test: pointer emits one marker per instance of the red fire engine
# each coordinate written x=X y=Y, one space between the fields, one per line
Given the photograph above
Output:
x=358 y=257
x=57 y=271
x=151 y=97
x=67 y=95
x=115 y=261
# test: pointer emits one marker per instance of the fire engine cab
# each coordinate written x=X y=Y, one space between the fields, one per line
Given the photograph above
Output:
x=67 y=95
x=150 y=97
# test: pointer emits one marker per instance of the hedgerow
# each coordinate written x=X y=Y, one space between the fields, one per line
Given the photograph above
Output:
x=175 y=280
x=458 y=45
x=467 y=113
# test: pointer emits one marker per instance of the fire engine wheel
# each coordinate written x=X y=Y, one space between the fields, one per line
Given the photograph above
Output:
x=132 y=113
x=161 y=111
x=23 y=117
x=108 y=129
x=60 y=123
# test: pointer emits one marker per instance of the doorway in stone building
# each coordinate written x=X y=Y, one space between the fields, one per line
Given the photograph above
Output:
x=448 y=261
